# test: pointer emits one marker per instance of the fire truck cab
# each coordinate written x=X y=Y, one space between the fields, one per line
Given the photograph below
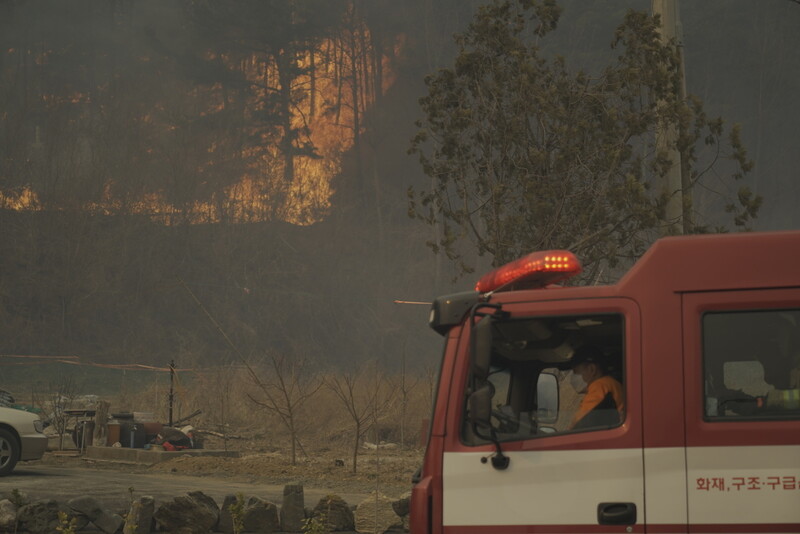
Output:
x=701 y=336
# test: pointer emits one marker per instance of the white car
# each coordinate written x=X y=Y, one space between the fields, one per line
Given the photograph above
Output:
x=21 y=438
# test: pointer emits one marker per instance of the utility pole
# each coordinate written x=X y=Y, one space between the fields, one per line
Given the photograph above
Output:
x=677 y=182
x=171 y=386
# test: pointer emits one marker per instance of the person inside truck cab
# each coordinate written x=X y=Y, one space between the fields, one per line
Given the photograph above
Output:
x=604 y=401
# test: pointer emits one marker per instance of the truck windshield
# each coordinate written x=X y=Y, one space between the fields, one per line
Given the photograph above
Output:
x=551 y=375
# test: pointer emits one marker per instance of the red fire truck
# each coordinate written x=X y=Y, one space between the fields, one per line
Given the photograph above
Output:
x=701 y=336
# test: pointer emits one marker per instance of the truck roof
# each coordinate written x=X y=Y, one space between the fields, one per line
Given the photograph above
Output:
x=681 y=264
x=708 y=262
x=715 y=262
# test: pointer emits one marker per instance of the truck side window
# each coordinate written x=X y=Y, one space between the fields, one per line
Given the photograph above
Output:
x=534 y=390
x=751 y=364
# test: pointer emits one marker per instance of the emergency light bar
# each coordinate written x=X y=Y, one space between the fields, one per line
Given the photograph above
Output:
x=537 y=269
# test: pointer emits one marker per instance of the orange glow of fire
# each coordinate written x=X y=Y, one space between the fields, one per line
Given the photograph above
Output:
x=249 y=199
x=23 y=199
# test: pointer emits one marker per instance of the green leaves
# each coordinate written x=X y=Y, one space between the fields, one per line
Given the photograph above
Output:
x=525 y=154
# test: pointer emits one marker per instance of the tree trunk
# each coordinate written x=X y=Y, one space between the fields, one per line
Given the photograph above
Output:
x=355 y=446
x=293 y=436
x=100 y=435
x=284 y=62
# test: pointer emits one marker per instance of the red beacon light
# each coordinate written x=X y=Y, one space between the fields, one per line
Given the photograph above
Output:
x=536 y=270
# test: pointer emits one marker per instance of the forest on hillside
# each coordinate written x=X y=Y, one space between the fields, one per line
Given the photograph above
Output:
x=207 y=181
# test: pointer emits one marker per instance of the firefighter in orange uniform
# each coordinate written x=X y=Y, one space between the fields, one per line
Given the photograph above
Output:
x=604 y=402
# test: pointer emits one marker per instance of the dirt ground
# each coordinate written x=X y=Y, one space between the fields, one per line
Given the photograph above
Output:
x=386 y=469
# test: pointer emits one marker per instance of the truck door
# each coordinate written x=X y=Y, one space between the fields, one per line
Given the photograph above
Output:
x=561 y=475
x=742 y=382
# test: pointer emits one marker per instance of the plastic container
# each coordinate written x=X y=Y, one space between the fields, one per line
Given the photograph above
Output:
x=113 y=433
x=132 y=435
x=152 y=428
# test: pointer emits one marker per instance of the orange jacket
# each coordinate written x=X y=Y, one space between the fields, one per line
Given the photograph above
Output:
x=596 y=393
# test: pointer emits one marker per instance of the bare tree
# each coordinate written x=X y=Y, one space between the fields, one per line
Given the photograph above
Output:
x=219 y=409
x=405 y=387
x=291 y=383
x=364 y=395
x=57 y=403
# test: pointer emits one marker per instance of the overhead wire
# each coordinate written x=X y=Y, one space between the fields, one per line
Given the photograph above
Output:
x=76 y=361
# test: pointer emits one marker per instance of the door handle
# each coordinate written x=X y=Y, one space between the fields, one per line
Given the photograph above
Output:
x=616 y=513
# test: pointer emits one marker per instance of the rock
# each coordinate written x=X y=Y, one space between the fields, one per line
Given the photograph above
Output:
x=109 y=523
x=41 y=517
x=376 y=515
x=16 y=497
x=292 y=509
x=335 y=512
x=140 y=516
x=401 y=505
x=8 y=516
x=85 y=505
x=194 y=513
x=258 y=515
x=102 y=519
x=225 y=518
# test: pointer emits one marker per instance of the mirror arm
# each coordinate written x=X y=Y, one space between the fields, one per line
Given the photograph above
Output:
x=498 y=312
x=499 y=460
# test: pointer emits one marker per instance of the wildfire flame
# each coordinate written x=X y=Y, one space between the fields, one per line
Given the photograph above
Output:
x=249 y=199
x=23 y=199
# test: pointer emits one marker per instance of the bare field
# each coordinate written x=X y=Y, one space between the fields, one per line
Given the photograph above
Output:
x=387 y=471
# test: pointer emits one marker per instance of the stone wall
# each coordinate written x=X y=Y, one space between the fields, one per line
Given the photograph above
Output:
x=196 y=512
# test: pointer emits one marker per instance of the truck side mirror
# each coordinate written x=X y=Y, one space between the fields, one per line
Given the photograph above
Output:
x=481 y=348
x=480 y=413
x=547 y=399
x=480 y=407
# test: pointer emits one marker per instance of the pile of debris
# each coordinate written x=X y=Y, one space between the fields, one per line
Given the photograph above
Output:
x=89 y=423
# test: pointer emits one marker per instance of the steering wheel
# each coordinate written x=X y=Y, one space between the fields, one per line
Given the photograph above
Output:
x=505 y=422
